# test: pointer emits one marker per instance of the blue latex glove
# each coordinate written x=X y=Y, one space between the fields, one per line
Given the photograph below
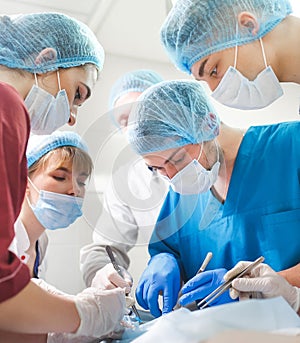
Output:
x=203 y=284
x=162 y=276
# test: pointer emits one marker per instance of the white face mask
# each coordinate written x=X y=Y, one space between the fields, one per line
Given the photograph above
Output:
x=235 y=90
x=47 y=113
x=55 y=210
x=194 y=178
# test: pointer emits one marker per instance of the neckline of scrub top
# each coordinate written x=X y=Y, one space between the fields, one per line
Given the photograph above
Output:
x=245 y=152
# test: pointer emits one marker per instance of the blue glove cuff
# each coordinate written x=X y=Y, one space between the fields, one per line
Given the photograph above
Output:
x=162 y=256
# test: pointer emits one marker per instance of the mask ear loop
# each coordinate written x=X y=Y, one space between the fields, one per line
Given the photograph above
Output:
x=36 y=81
x=35 y=188
x=33 y=185
x=218 y=152
x=58 y=79
x=236 y=45
x=263 y=52
x=200 y=153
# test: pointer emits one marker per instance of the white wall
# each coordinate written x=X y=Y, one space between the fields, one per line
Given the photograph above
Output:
x=95 y=126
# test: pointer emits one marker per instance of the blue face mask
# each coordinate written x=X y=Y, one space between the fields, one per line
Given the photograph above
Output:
x=55 y=210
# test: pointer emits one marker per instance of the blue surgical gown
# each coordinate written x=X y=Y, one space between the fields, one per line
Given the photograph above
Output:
x=261 y=214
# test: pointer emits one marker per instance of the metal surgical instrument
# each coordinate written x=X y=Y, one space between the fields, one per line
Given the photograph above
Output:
x=204 y=264
x=119 y=271
x=226 y=285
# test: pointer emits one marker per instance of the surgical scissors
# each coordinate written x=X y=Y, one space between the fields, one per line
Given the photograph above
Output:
x=226 y=285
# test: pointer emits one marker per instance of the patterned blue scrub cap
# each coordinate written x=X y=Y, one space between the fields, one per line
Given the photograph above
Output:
x=195 y=29
x=172 y=114
x=40 y=145
x=64 y=41
x=133 y=81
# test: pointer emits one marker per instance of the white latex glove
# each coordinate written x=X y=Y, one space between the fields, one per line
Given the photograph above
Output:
x=130 y=301
x=265 y=280
x=113 y=304
x=100 y=311
x=108 y=278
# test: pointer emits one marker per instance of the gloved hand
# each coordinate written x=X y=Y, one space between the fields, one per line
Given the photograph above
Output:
x=108 y=278
x=162 y=275
x=203 y=284
x=265 y=280
x=100 y=311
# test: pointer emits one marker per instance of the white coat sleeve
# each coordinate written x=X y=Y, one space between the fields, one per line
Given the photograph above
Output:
x=115 y=227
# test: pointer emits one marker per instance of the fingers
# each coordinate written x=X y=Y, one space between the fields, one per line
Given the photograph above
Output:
x=139 y=294
x=196 y=281
x=250 y=284
x=170 y=296
x=234 y=293
x=190 y=297
x=118 y=281
x=127 y=277
x=129 y=301
x=108 y=278
x=147 y=296
x=240 y=266
x=153 y=294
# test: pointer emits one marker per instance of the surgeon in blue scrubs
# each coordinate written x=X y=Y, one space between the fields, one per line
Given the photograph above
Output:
x=233 y=193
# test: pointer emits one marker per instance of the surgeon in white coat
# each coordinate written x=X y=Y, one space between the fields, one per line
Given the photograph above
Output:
x=132 y=199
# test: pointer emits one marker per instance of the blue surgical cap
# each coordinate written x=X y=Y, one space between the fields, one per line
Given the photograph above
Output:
x=66 y=42
x=40 y=145
x=195 y=29
x=172 y=114
x=133 y=81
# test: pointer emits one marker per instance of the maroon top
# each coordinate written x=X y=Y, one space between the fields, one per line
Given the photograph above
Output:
x=14 y=132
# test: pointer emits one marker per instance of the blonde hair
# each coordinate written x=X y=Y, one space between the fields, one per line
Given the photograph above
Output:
x=79 y=158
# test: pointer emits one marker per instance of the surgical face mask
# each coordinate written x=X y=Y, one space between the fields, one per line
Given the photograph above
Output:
x=47 y=113
x=55 y=210
x=194 y=178
x=235 y=90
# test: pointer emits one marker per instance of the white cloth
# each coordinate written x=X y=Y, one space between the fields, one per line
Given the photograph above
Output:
x=132 y=202
x=183 y=326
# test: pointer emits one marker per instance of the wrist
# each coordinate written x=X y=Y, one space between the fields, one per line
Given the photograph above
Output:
x=291 y=275
x=162 y=255
x=77 y=319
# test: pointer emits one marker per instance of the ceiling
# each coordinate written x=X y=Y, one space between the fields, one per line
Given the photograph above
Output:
x=124 y=27
x=127 y=28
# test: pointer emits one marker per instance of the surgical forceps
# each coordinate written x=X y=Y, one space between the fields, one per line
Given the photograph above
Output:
x=119 y=271
x=226 y=285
